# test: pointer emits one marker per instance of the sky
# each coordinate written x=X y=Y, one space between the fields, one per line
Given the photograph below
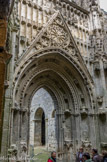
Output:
x=103 y=4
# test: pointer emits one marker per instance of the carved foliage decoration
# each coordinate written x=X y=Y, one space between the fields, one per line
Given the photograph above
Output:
x=56 y=35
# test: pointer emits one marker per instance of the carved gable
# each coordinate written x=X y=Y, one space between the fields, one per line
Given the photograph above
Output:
x=56 y=34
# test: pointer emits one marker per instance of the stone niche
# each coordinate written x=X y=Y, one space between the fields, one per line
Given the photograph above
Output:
x=84 y=112
x=105 y=65
x=102 y=114
x=104 y=145
x=67 y=125
x=97 y=67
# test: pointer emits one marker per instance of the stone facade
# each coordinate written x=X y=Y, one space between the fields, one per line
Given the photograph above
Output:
x=59 y=46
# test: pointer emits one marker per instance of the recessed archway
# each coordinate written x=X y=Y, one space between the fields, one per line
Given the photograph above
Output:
x=68 y=87
x=42 y=125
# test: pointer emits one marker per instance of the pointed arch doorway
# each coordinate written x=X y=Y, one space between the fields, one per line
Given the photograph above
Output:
x=42 y=123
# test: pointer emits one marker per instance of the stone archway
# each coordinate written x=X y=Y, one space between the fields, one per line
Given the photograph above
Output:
x=42 y=124
x=70 y=89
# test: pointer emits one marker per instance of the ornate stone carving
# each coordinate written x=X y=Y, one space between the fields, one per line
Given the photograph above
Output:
x=12 y=153
x=104 y=145
x=102 y=111
x=84 y=111
x=22 y=153
x=87 y=145
x=16 y=106
x=58 y=35
x=105 y=65
x=24 y=110
x=100 y=99
x=68 y=144
x=6 y=84
x=97 y=66
x=23 y=146
x=22 y=39
x=55 y=35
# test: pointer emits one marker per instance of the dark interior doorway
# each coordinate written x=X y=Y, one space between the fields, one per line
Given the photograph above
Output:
x=43 y=130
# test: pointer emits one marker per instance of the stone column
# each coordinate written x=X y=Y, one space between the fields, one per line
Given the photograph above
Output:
x=24 y=124
x=37 y=133
x=8 y=98
x=4 y=57
x=45 y=18
x=103 y=81
x=46 y=132
x=60 y=133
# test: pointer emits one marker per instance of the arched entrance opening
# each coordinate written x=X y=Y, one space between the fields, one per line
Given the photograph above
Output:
x=42 y=123
x=69 y=88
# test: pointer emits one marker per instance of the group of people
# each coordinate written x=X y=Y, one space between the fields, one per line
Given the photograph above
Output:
x=82 y=156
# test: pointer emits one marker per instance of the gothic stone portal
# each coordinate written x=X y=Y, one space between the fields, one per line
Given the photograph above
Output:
x=57 y=79
x=61 y=48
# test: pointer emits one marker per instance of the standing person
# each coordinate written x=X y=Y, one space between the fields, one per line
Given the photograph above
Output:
x=79 y=155
x=86 y=157
x=104 y=156
x=95 y=156
x=53 y=157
